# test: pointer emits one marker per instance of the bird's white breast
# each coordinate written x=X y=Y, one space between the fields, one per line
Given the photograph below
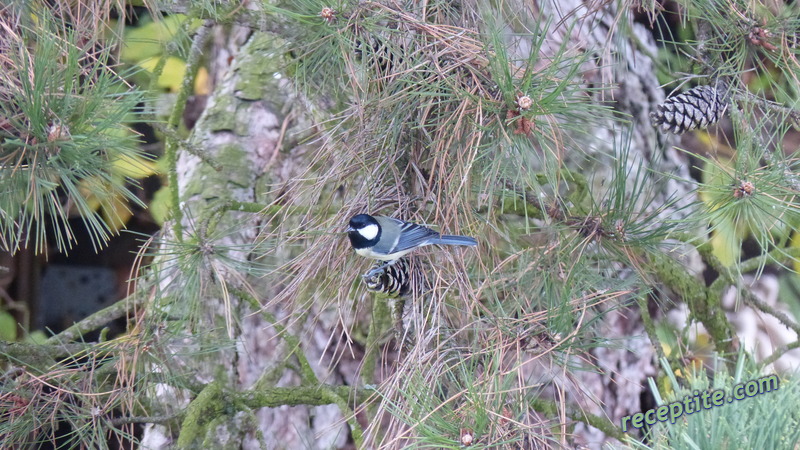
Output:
x=367 y=252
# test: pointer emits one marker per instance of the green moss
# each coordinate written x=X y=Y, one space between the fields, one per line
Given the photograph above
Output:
x=220 y=116
x=703 y=303
x=201 y=412
x=255 y=78
x=232 y=157
x=677 y=278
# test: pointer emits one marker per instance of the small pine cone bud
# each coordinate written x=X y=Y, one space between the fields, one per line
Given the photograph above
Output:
x=696 y=108
x=466 y=437
x=745 y=189
x=328 y=14
x=394 y=280
x=57 y=132
x=524 y=102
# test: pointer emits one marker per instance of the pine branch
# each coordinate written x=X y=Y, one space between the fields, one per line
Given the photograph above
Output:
x=601 y=423
x=307 y=375
x=780 y=351
x=39 y=355
x=705 y=307
x=99 y=319
x=649 y=326
x=316 y=395
x=212 y=402
x=727 y=277
x=171 y=148
x=120 y=421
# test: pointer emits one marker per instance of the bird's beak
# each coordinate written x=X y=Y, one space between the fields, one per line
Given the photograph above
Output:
x=349 y=229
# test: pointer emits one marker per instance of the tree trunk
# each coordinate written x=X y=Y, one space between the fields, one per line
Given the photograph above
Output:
x=244 y=128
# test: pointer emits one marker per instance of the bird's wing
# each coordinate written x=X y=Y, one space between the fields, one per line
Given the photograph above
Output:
x=411 y=235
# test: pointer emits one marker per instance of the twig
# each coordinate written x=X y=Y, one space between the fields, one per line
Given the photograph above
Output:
x=98 y=319
x=601 y=423
x=782 y=317
x=779 y=255
x=649 y=326
x=749 y=97
x=705 y=306
x=212 y=402
x=780 y=352
x=170 y=133
x=39 y=355
x=301 y=395
x=171 y=147
x=727 y=277
x=119 y=421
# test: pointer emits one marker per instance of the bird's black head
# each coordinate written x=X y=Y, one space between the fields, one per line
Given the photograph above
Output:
x=364 y=231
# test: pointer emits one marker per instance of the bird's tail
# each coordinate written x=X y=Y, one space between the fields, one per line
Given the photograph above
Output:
x=455 y=240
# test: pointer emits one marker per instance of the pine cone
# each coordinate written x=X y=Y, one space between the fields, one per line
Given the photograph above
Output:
x=394 y=280
x=696 y=108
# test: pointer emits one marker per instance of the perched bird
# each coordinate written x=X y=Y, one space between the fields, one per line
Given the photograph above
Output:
x=388 y=239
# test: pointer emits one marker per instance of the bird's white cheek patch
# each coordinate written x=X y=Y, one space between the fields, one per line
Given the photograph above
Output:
x=369 y=232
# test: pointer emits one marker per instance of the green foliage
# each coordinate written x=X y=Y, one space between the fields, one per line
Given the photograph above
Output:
x=753 y=422
x=463 y=396
x=751 y=199
x=195 y=269
x=76 y=393
x=66 y=124
x=8 y=327
x=146 y=44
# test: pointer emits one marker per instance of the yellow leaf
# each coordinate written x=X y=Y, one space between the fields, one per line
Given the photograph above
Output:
x=202 y=83
x=726 y=239
x=84 y=187
x=160 y=205
x=8 y=327
x=147 y=41
x=664 y=386
x=796 y=244
x=116 y=213
x=172 y=75
x=133 y=167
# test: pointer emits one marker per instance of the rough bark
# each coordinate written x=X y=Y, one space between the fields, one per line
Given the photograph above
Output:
x=243 y=128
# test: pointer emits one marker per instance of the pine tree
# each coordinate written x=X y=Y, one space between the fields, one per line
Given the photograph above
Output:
x=609 y=250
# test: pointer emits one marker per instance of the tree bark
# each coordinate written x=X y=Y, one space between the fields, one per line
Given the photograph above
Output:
x=244 y=127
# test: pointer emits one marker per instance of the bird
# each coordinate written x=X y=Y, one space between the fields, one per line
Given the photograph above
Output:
x=388 y=239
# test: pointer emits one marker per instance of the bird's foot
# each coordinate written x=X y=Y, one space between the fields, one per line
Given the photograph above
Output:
x=378 y=270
